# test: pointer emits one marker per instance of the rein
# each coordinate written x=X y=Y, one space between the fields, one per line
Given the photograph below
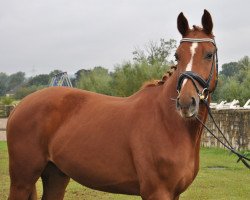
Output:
x=194 y=77
x=226 y=144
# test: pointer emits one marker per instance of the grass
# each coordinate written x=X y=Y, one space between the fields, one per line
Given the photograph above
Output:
x=220 y=178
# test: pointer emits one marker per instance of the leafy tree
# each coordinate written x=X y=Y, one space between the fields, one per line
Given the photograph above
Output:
x=15 y=80
x=229 y=69
x=244 y=63
x=128 y=78
x=3 y=83
x=155 y=53
x=234 y=81
x=96 y=80
x=244 y=85
x=231 y=89
x=216 y=95
x=54 y=72
x=78 y=75
x=124 y=80
x=41 y=79
x=26 y=90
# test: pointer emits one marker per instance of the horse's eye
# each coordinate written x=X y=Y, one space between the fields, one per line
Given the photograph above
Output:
x=176 y=57
x=209 y=56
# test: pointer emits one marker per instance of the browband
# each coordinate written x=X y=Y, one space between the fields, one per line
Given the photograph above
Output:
x=198 y=40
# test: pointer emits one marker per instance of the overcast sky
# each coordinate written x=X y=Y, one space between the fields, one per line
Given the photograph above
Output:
x=37 y=36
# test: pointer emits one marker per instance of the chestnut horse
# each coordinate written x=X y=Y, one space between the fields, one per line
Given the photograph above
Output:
x=146 y=144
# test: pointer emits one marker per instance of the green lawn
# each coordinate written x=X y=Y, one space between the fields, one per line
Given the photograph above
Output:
x=219 y=178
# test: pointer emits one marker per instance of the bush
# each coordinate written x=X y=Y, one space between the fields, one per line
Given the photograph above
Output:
x=7 y=100
x=25 y=90
x=129 y=78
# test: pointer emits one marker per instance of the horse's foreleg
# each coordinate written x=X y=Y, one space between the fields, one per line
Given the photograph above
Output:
x=177 y=197
x=22 y=192
x=54 y=183
x=33 y=194
x=159 y=195
x=156 y=192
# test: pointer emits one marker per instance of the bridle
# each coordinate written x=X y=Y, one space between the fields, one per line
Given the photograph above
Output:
x=203 y=95
x=194 y=77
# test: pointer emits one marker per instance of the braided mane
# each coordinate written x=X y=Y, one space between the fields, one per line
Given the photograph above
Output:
x=162 y=81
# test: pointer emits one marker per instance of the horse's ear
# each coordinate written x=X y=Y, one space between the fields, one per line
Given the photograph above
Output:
x=207 y=22
x=182 y=24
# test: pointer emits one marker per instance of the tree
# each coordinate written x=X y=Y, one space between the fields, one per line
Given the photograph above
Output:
x=234 y=81
x=129 y=78
x=3 y=83
x=26 y=90
x=230 y=69
x=96 y=80
x=41 y=79
x=244 y=63
x=155 y=53
x=244 y=66
x=244 y=85
x=54 y=72
x=125 y=80
x=15 y=80
x=231 y=89
x=78 y=75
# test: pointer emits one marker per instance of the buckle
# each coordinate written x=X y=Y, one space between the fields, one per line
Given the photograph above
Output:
x=204 y=94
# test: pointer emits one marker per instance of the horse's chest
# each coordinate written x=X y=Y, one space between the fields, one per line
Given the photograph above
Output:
x=177 y=174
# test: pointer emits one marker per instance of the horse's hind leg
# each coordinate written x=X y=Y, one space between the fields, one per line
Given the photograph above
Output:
x=54 y=183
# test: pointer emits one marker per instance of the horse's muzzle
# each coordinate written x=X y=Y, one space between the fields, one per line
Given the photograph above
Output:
x=187 y=107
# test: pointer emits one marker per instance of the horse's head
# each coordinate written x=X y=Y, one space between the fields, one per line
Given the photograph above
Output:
x=197 y=65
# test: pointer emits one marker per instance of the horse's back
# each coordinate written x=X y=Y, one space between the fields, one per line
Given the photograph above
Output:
x=39 y=106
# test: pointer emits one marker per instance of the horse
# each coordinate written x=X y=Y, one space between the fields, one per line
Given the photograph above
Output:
x=146 y=144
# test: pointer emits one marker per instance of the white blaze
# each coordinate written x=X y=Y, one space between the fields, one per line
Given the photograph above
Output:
x=190 y=63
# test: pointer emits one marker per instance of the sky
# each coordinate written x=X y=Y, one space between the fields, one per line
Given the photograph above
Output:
x=38 y=36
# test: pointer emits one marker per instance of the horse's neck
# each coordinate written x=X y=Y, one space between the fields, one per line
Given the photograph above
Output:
x=192 y=128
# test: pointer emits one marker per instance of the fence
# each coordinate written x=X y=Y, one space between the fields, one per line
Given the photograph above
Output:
x=234 y=123
x=2 y=110
x=5 y=110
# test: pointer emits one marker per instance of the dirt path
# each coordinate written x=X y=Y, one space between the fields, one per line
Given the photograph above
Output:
x=3 y=122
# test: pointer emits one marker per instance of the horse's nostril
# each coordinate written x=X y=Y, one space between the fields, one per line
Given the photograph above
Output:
x=193 y=101
x=178 y=102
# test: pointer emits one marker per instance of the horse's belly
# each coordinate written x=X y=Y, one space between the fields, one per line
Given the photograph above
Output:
x=105 y=165
x=130 y=187
x=104 y=177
